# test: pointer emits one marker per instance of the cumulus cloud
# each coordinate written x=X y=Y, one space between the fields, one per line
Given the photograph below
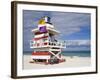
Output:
x=69 y=23
x=77 y=42
x=77 y=45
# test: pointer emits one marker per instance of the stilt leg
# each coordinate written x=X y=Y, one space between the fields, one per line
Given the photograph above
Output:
x=46 y=61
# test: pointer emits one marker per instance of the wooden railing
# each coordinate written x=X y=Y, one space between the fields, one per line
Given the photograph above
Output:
x=47 y=44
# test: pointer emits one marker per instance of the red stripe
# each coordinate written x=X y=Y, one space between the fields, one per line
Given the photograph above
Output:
x=40 y=53
x=39 y=33
x=45 y=43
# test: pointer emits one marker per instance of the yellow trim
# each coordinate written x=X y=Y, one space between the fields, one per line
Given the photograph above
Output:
x=42 y=21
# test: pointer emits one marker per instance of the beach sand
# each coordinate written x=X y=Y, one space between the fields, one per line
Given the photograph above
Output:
x=73 y=61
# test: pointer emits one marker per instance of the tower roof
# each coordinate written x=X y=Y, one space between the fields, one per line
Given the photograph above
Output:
x=44 y=25
x=49 y=30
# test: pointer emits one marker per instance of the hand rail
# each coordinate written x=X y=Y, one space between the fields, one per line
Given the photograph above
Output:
x=51 y=44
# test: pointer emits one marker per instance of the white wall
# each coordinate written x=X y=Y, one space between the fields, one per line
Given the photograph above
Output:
x=5 y=43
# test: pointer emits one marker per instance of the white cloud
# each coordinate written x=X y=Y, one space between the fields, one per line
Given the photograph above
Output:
x=78 y=42
x=78 y=45
x=69 y=23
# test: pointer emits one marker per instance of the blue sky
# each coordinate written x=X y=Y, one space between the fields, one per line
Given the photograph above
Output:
x=72 y=26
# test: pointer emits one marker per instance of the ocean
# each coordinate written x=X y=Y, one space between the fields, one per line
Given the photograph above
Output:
x=77 y=53
x=68 y=53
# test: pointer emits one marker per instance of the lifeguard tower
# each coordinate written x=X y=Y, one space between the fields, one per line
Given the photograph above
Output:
x=46 y=49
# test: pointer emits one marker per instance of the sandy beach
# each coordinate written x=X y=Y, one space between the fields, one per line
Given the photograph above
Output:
x=74 y=61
